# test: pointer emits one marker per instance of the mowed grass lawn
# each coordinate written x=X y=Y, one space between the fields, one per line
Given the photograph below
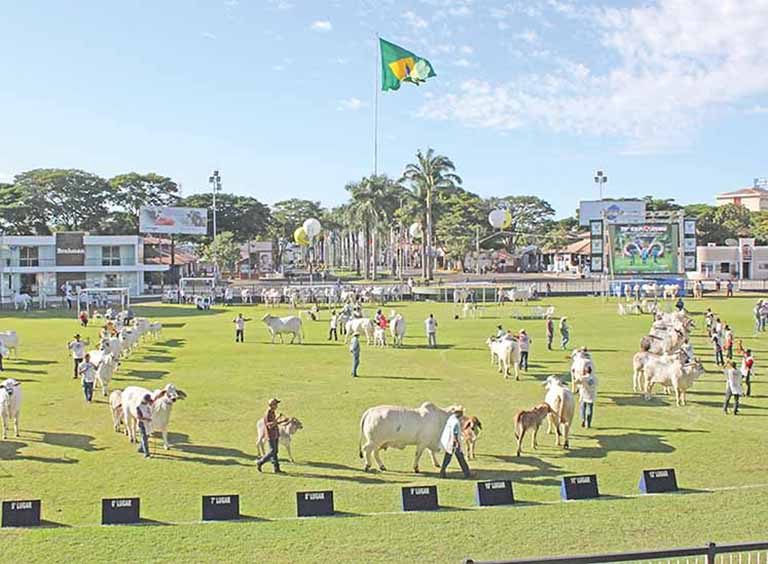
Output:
x=69 y=456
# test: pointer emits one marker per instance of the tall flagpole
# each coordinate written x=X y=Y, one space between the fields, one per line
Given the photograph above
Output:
x=376 y=111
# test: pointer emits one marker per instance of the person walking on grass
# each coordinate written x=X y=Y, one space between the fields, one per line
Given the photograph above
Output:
x=729 y=289
x=524 y=342
x=500 y=333
x=239 y=322
x=550 y=332
x=717 y=347
x=354 y=349
x=747 y=362
x=565 y=333
x=709 y=320
x=87 y=371
x=333 y=327
x=144 y=420
x=586 y=384
x=732 y=387
x=272 y=422
x=728 y=341
x=430 y=325
x=450 y=440
x=77 y=348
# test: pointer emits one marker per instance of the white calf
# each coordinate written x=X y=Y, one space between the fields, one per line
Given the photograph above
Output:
x=10 y=404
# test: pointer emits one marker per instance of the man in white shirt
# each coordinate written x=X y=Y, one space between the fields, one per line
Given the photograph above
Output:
x=333 y=327
x=450 y=440
x=587 y=388
x=239 y=322
x=732 y=387
x=524 y=342
x=87 y=371
x=77 y=348
x=144 y=419
x=430 y=324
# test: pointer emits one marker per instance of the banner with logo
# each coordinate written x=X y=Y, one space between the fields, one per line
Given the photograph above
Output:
x=184 y=221
x=648 y=248
x=619 y=211
x=746 y=246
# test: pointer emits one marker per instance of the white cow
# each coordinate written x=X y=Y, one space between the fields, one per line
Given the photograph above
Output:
x=580 y=360
x=22 y=301
x=245 y=295
x=379 y=337
x=279 y=325
x=162 y=404
x=663 y=342
x=560 y=399
x=505 y=353
x=116 y=408
x=362 y=325
x=670 y=291
x=155 y=329
x=287 y=429
x=388 y=426
x=104 y=371
x=671 y=372
x=397 y=329
x=10 y=340
x=10 y=404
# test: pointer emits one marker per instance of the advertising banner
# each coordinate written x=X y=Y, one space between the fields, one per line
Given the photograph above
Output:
x=619 y=211
x=647 y=248
x=184 y=221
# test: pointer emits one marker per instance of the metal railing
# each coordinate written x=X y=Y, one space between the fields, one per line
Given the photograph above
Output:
x=743 y=553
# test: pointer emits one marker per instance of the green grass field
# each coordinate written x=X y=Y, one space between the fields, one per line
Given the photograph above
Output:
x=69 y=456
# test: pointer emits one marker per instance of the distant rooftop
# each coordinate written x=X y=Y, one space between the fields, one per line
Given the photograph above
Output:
x=751 y=191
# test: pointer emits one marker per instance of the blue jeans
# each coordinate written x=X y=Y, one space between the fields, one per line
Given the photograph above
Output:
x=355 y=363
x=144 y=445
x=566 y=337
x=587 y=410
x=88 y=390
x=274 y=444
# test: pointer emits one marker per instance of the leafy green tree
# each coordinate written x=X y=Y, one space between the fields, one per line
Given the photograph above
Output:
x=64 y=199
x=456 y=227
x=223 y=251
x=430 y=174
x=132 y=191
x=666 y=204
x=287 y=216
x=759 y=224
x=15 y=215
x=530 y=218
x=243 y=216
x=370 y=208
x=723 y=222
x=117 y=223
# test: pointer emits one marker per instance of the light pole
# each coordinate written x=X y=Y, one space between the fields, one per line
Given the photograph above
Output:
x=215 y=182
x=600 y=180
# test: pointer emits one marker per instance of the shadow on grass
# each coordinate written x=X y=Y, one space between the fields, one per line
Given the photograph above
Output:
x=365 y=479
x=70 y=440
x=9 y=450
x=158 y=358
x=637 y=400
x=173 y=343
x=175 y=311
x=12 y=368
x=143 y=375
x=628 y=442
x=174 y=325
x=413 y=378
x=35 y=362
x=214 y=451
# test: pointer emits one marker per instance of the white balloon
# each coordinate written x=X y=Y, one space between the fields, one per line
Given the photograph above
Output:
x=497 y=218
x=415 y=230
x=312 y=227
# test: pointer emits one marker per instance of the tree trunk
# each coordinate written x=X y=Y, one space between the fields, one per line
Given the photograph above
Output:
x=356 y=248
x=375 y=253
x=367 y=252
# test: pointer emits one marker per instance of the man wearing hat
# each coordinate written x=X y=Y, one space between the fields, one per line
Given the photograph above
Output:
x=450 y=440
x=354 y=349
x=550 y=332
x=272 y=422
x=524 y=342
x=77 y=348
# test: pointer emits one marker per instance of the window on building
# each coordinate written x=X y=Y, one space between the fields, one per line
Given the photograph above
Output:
x=762 y=266
x=28 y=256
x=737 y=201
x=110 y=256
x=725 y=267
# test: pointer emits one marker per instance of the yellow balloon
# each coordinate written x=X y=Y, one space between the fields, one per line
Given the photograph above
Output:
x=507 y=219
x=300 y=237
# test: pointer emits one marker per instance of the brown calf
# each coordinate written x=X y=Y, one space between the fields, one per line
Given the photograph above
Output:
x=525 y=420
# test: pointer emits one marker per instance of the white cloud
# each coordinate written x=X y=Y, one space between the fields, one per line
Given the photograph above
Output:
x=668 y=68
x=529 y=36
x=759 y=110
x=208 y=35
x=352 y=104
x=6 y=177
x=414 y=21
x=462 y=63
x=466 y=50
x=280 y=4
x=322 y=26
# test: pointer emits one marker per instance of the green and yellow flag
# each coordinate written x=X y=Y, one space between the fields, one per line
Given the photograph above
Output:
x=399 y=65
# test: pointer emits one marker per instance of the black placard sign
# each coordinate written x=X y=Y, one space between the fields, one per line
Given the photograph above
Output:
x=221 y=507
x=420 y=498
x=658 y=481
x=314 y=504
x=579 y=487
x=120 y=511
x=21 y=513
x=495 y=492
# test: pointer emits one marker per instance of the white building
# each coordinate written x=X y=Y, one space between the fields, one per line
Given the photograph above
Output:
x=754 y=198
x=744 y=261
x=34 y=264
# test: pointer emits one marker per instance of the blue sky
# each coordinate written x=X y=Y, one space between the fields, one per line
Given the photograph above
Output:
x=670 y=98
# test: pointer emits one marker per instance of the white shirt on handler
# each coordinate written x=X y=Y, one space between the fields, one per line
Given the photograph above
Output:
x=430 y=324
x=733 y=381
x=587 y=385
x=77 y=348
x=451 y=433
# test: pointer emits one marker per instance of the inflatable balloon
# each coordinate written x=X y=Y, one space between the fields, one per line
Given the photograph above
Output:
x=415 y=231
x=497 y=218
x=507 y=219
x=300 y=237
x=312 y=227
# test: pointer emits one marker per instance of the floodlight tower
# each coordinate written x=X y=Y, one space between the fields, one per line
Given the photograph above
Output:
x=215 y=182
x=600 y=180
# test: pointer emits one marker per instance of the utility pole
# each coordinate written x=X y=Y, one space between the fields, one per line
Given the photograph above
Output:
x=600 y=180
x=215 y=182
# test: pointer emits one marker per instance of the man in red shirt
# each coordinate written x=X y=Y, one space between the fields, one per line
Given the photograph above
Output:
x=272 y=422
x=746 y=370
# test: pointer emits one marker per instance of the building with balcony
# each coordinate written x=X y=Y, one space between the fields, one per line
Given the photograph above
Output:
x=35 y=264
x=754 y=198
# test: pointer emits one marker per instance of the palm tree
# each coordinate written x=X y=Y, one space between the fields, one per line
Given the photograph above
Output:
x=427 y=177
x=369 y=209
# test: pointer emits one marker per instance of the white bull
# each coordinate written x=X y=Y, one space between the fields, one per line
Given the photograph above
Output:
x=362 y=325
x=279 y=325
x=104 y=370
x=162 y=404
x=10 y=340
x=581 y=359
x=116 y=408
x=397 y=329
x=505 y=353
x=560 y=399
x=10 y=404
x=22 y=301
x=387 y=426
x=671 y=372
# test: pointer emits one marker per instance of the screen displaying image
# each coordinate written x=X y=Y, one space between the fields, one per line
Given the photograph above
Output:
x=645 y=248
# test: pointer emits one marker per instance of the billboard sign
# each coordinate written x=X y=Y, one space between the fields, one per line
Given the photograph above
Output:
x=70 y=248
x=645 y=248
x=618 y=211
x=184 y=221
